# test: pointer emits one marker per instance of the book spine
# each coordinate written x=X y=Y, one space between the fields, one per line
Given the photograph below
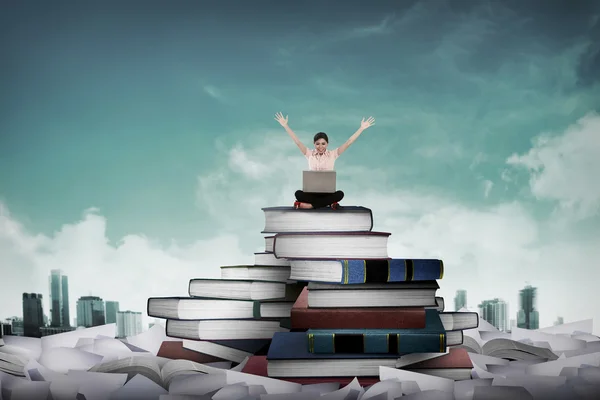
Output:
x=377 y=343
x=381 y=318
x=390 y=270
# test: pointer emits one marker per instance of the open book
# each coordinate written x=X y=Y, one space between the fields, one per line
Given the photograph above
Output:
x=158 y=369
x=507 y=348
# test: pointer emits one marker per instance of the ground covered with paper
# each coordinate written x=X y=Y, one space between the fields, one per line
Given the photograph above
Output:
x=91 y=364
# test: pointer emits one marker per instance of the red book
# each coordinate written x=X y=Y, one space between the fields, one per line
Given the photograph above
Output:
x=303 y=317
x=175 y=351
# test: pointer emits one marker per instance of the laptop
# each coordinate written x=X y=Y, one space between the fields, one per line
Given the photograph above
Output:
x=318 y=181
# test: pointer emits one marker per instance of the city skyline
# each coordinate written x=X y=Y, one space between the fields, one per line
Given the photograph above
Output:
x=143 y=160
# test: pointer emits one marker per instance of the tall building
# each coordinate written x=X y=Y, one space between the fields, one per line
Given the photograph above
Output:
x=460 y=300
x=65 y=314
x=495 y=312
x=129 y=323
x=59 y=299
x=33 y=314
x=559 y=321
x=528 y=317
x=90 y=311
x=112 y=307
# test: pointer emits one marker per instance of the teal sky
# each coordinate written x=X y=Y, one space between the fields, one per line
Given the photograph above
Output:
x=160 y=118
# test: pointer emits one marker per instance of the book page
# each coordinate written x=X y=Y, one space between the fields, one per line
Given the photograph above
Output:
x=70 y=339
x=425 y=382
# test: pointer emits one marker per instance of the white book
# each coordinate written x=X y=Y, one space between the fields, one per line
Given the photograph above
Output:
x=345 y=219
x=331 y=245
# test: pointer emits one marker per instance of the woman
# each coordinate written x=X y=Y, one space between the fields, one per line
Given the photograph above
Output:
x=321 y=159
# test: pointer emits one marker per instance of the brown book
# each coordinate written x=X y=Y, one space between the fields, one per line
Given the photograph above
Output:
x=304 y=317
x=456 y=359
x=175 y=351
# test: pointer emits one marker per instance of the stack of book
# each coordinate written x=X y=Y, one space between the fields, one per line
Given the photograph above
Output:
x=233 y=317
x=361 y=309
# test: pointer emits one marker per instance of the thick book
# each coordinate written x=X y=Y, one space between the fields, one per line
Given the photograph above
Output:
x=331 y=245
x=243 y=289
x=269 y=243
x=289 y=219
x=456 y=364
x=303 y=317
x=209 y=330
x=209 y=308
x=454 y=320
x=271 y=273
x=393 y=294
x=268 y=258
x=366 y=271
x=430 y=339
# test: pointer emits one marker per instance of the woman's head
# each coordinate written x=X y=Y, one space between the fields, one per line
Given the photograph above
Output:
x=321 y=141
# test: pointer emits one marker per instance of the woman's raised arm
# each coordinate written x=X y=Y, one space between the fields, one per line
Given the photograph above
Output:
x=363 y=125
x=284 y=122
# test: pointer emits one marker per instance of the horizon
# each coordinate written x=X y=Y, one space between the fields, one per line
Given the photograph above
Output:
x=137 y=149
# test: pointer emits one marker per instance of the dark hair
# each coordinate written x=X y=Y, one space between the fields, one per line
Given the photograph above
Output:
x=321 y=135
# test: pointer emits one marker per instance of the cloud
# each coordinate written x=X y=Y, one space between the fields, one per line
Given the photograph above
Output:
x=134 y=269
x=487 y=187
x=565 y=168
x=214 y=92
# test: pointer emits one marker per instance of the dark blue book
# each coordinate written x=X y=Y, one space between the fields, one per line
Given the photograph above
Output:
x=367 y=271
x=294 y=346
x=430 y=339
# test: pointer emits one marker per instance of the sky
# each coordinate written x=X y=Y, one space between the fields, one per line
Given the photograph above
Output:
x=138 y=145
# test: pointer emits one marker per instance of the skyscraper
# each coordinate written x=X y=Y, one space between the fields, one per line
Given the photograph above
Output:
x=33 y=314
x=65 y=318
x=59 y=299
x=460 y=300
x=90 y=311
x=528 y=317
x=495 y=312
x=112 y=307
x=129 y=323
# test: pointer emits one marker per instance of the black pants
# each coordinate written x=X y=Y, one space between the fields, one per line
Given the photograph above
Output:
x=319 y=200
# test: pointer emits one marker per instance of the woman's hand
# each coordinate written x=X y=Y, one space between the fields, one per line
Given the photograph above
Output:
x=280 y=118
x=365 y=124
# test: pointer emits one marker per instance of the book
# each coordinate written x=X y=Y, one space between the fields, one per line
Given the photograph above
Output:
x=331 y=245
x=289 y=219
x=396 y=294
x=439 y=304
x=162 y=373
x=268 y=258
x=224 y=329
x=175 y=350
x=288 y=356
x=242 y=289
x=208 y=308
x=509 y=349
x=430 y=339
x=256 y=272
x=303 y=317
x=269 y=243
x=456 y=365
x=366 y=271
x=454 y=320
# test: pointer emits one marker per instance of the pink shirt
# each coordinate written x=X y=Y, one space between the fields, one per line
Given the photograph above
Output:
x=321 y=162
